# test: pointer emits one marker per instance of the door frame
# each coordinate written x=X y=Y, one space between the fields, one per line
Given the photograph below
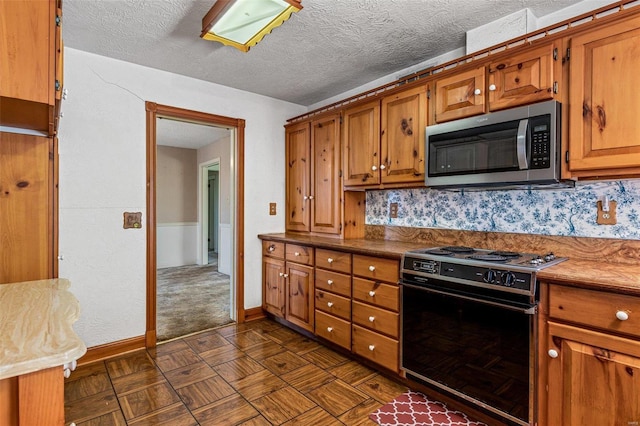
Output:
x=153 y=110
x=203 y=195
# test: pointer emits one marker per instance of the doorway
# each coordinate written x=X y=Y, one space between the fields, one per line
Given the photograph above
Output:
x=236 y=216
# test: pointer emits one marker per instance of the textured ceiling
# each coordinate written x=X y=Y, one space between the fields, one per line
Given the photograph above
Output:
x=327 y=48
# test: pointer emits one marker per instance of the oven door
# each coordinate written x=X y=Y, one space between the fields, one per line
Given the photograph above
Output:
x=480 y=351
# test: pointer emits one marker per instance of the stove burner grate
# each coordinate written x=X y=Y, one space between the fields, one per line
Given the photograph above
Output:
x=509 y=254
x=458 y=249
x=439 y=252
x=488 y=257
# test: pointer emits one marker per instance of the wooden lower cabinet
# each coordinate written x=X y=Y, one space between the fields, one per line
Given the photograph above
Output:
x=594 y=379
x=300 y=297
x=591 y=353
x=376 y=319
x=378 y=348
x=273 y=286
x=333 y=329
x=333 y=304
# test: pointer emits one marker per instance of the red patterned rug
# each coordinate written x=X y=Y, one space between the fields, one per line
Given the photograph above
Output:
x=414 y=408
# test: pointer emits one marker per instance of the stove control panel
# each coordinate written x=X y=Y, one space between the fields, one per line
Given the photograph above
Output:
x=494 y=276
x=426 y=266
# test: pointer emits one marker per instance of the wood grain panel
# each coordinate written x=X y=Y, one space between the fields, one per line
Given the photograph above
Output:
x=332 y=260
x=376 y=268
x=299 y=254
x=26 y=225
x=455 y=95
x=41 y=397
x=361 y=139
x=333 y=329
x=376 y=319
x=376 y=293
x=334 y=305
x=375 y=347
x=333 y=282
x=326 y=185
x=597 y=249
x=300 y=297
x=595 y=308
x=273 y=249
x=298 y=177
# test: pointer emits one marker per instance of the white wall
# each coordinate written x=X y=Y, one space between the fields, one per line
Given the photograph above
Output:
x=102 y=174
x=177 y=244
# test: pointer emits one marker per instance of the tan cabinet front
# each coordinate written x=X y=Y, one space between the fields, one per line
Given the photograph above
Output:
x=376 y=347
x=376 y=268
x=333 y=329
x=273 y=249
x=333 y=260
x=333 y=282
x=299 y=254
x=333 y=304
x=376 y=293
x=376 y=319
x=361 y=139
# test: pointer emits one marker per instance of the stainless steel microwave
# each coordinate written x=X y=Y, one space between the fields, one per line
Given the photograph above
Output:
x=518 y=146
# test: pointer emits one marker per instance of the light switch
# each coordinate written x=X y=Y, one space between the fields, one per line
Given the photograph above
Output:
x=272 y=209
x=132 y=220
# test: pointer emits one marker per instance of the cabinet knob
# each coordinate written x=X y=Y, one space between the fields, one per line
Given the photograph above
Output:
x=282 y=274
x=371 y=347
x=372 y=318
x=71 y=365
x=272 y=248
x=329 y=304
x=285 y=275
x=305 y=198
x=372 y=293
x=477 y=92
x=330 y=282
x=622 y=315
x=382 y=167
x=492 y=87
x=311 y=197
x=374 y=168
x=372 y=268
x=296 y=253
x=329 y=329
x=330 y=260
x=67 y=373
x=553 y=353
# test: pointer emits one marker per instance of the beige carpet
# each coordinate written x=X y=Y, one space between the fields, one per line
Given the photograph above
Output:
x=189 y=299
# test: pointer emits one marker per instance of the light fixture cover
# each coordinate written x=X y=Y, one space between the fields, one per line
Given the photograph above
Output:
x=243 y=23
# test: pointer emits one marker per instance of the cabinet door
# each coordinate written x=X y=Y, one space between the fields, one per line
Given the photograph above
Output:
x=522 y=79
x=300 y=297
x=404 y=118
x=273 y=288
x=362 y=144
x=27 y=198
x=604 y=130
x=298 y=176
x=325 y=170
x=460 y=95
x=594 y=380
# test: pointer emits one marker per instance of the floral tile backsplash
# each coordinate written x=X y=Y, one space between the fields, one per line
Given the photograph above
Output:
x=564 y=212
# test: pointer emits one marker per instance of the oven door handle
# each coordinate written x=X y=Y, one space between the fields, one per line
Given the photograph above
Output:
x=529 y=311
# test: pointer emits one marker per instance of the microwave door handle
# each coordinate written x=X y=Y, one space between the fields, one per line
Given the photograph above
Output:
x=521 y=144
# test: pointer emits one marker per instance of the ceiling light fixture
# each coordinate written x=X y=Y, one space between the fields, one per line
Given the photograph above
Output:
x=243 y=23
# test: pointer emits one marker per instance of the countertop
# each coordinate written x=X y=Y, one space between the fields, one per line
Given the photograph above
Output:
x=607 y=276
x=36 y=333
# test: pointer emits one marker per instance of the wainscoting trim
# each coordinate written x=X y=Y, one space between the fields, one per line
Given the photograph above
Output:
x=108 y=350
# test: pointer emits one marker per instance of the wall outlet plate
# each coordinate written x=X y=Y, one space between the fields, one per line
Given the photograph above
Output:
x=607 y=218
x=393 y=210
x=272 y=209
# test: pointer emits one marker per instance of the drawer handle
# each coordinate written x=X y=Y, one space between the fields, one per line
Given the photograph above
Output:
x=330 y=282
x=372 y=293
x=296 y=253
x=372 y=268
x=553 y=353
x=272 y=248
x=329 y=304
x=329 y=329
x=330 y=260
x=622 y=315
x=372 y=318
x=371 y=347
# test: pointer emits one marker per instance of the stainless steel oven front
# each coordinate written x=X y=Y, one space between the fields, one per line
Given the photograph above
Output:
x=476 y=348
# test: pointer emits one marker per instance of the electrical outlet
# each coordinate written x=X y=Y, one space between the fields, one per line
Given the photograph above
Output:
x=393 y=210
x=607 y=217
x=272 y=209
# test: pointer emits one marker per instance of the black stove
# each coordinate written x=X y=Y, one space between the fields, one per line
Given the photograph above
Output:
x=475 y=269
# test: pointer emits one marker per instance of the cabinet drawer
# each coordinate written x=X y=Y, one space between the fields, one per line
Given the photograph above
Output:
x=299 y=254
x=595 y=308
x=376 y=319
x=333 y=304
x=375 y=293
x=334 y=282
x=333 y=260
x=376 y=268
x=273 y=249
x=333 y=329
x=376 y=347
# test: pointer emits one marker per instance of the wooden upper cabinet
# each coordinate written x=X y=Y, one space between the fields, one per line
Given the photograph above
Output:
x=523 y=78
x=604 y=110
x=404 y=118
x=361 y=136
x=460 y=95
x=298 y=176
x=29 y=36
x=326 y=186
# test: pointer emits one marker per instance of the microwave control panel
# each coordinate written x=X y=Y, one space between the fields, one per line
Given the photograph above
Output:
x=541 y=155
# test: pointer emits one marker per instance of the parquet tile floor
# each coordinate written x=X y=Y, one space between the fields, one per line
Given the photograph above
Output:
x=258 y=373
